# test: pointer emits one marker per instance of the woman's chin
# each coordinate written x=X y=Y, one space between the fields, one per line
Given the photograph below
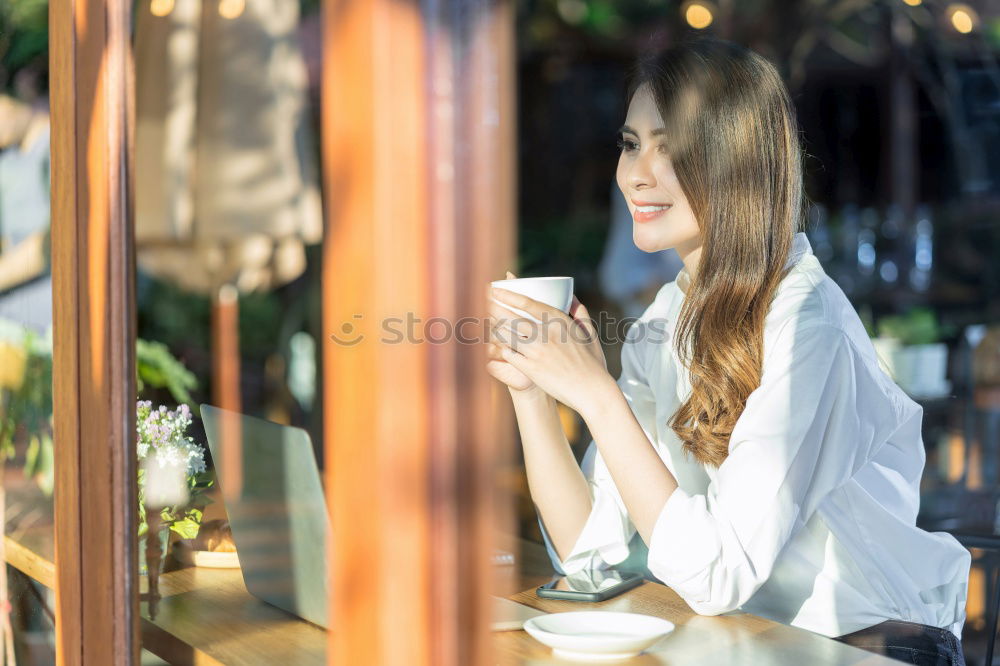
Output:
x=647 y=244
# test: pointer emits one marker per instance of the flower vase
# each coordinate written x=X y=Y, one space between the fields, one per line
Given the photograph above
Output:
x=164 y=537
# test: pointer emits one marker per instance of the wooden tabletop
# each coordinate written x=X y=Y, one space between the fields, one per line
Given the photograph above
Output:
x=737 y=638
x=206 y=616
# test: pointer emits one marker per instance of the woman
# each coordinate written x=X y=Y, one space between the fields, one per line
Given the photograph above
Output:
x=752 y=441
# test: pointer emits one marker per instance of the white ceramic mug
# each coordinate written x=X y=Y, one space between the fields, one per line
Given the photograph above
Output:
x=555 y=291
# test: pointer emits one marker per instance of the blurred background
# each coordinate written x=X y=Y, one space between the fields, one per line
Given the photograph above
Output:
x=899 y=107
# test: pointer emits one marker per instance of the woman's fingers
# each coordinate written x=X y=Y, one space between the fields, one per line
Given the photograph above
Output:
x=527 y=305
x=500 y=318
x=578 y=311
x=502 y=337
x=493 y=352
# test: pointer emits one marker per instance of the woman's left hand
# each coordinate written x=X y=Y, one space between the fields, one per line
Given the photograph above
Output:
x=562 y=355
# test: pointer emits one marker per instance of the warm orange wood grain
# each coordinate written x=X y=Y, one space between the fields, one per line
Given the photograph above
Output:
x=210 y=614
x=94 y=336
x=418 y=159
x=375 y=247
x=732 y=639
x=23 y=554
x=207 y=616
x=226 y=350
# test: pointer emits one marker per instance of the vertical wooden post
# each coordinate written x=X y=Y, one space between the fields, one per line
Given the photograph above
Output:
x=226 y=349
x=226 y=382
x=94 y=332
x=418 y=156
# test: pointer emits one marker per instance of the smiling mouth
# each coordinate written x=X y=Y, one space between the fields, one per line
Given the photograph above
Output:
x=648 y=213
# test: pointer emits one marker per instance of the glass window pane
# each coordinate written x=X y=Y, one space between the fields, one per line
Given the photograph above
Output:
x=26 y=442
x=228 y=224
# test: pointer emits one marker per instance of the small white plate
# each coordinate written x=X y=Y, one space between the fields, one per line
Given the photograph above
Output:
x=598 y=635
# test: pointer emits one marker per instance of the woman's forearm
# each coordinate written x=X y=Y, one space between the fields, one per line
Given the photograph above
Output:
x=641 y=477
x=556 y=483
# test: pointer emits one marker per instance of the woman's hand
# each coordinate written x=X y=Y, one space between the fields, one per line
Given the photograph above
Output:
x=504 y=371
x=562 y=355
x=501 y=369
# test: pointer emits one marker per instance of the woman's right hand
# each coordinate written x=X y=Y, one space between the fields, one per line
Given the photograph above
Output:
x=505 y=372
x=501 y=369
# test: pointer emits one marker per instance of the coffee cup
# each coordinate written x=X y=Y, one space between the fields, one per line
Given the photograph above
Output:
x=555 y=291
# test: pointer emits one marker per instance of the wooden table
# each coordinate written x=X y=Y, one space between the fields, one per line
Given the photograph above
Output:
x=736 y=639
x=206 y=616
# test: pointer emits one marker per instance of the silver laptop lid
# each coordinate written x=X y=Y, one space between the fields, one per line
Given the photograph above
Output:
x=274 y=500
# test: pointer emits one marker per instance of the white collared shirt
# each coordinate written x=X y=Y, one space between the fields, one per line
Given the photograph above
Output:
x=810 y=520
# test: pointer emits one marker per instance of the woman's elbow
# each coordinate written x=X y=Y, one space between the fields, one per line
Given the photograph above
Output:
x=713 y=597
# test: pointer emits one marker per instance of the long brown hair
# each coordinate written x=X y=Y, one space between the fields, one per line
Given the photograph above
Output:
x=733 y=140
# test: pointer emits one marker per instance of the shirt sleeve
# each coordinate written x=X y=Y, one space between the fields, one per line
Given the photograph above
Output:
x=604 y=540
x=803 y=432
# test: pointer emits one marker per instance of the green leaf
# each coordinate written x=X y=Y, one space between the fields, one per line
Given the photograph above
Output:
x=156 y=367
x=187 y=528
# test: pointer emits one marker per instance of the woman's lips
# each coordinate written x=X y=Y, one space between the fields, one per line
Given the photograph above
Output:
x=648 y=213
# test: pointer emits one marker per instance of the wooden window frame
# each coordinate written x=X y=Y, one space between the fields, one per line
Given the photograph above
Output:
x=93 y=310
x=418 y=149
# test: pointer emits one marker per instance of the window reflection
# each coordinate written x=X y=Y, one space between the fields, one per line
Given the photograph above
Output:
x=26 y=440
x=227 y=226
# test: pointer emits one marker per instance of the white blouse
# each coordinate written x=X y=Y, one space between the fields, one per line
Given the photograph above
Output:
x=810 y=520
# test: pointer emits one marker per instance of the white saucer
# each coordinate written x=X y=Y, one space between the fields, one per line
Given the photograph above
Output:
x=598 y=635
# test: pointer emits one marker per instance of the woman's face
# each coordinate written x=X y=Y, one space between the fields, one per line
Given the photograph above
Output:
x=661 y=216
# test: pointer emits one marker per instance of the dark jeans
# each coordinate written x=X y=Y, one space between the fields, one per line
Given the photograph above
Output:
x=909 y=642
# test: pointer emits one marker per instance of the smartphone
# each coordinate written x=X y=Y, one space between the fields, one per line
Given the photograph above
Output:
x=589 y=585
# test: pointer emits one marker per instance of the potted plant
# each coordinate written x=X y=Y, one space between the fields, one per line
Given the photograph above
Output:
x=909 y=345
x=172 y=477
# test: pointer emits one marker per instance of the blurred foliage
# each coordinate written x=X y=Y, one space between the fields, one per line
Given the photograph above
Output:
x=26 y=395
x=181 y=320
x=156 y=367
x=24 y=36
x=26 y=405
x=918 y=326
x=172 y=316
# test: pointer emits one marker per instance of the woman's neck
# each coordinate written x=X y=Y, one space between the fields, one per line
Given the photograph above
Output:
x=690 y=254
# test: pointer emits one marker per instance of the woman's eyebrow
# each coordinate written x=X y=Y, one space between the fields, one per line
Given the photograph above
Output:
x=626 y=129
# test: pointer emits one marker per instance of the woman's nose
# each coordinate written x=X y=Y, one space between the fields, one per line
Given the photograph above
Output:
x=640 y=174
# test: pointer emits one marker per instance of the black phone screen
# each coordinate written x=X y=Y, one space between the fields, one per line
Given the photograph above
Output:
x=590 y=585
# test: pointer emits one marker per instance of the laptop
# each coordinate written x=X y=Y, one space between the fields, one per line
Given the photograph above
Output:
x=271 y=489
x=274 y=500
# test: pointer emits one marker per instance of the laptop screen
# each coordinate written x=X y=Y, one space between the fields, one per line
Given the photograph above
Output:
x=270 y=485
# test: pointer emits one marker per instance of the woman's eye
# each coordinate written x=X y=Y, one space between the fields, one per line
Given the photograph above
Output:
x=627 y=145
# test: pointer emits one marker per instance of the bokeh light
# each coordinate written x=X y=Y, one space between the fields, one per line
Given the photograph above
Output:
x=230 y=9
x=161 y=7
x=963 y=17
x=698 y=15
